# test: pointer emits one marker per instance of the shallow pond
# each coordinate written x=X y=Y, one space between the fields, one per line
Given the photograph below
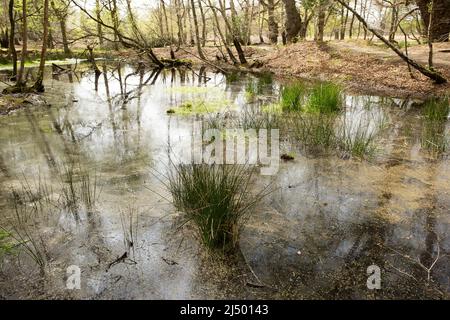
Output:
x=329 y=216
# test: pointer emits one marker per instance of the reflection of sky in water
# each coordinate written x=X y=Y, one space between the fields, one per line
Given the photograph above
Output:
x=322 y=208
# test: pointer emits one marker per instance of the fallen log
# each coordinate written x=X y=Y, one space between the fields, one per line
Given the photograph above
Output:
x=432 y=74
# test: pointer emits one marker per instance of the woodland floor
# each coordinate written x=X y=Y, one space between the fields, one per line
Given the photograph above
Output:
x=358 y=66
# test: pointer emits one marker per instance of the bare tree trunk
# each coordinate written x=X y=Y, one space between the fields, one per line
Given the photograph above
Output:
x=166 y=20
x=180 y=13
x=12 y=34
x=350 y=30
x=320 y=23
x=99 y=26
x=202 y=14
x=432 y=74
x=197 y=36
x=430 y=36
x=38 y=85
x=222 y=37
x=293 y=20
x=272 y=24
x=20 y=82
x=191 y=32
x=261 y=24
x=61 y=14
x=236 y=42
x=343 y=24
x=440 y=26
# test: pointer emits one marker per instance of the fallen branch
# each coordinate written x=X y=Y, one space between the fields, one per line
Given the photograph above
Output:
x=434 y=75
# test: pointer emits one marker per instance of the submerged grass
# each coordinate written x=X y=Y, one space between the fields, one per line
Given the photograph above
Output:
x=435 y=115
x=6 y=244
x=216 y=198
x=358 y=142
x=314 y=131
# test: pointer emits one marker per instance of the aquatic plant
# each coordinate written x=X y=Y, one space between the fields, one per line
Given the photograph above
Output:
x=77 y=185
x=216 y=198
x=325 y=98
x=6 y=246
x=435 y=114
x=314 y=131
x=200 y=107
x=253 y=117
x=292 y=97
x=356 y=141
x=25 y=233
x=129 y=222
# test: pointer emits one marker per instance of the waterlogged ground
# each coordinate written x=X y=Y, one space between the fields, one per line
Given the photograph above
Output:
x=329 y=217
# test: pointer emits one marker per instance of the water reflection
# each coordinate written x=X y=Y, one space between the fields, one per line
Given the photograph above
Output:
x=327 y=220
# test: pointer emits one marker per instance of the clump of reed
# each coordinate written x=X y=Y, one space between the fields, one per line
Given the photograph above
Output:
x=314 y=131
x=78 y=187
x=292 y=97
x=129 y=221
x=321 y=98
x=323 y=133
x=216 y=198
x=356 y=141
x=325 y=98
x=24 y=232
x=435 y=115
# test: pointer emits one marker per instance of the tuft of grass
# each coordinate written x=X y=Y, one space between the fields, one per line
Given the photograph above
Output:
x=216 y=198
x=359 y=143
x=314 y=131
x=325 y=98
x=292 y=97
x=6 y=245
x=435 y=115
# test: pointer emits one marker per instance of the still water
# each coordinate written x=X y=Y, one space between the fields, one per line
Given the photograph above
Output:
x=328 y=218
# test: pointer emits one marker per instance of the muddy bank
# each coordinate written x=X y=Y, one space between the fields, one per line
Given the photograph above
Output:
x=372 y=71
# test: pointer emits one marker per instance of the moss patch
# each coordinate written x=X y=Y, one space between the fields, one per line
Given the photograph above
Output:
x=200 y=107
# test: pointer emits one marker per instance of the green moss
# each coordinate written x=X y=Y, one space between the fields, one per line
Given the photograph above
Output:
x=6 y=244
x=195 y=90
x=200 y=107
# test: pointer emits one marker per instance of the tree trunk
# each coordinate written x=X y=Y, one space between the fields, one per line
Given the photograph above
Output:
x=20 y=82
x=62 y=24
x=197 y=36
x=350 y=30
x=434 y=75
x=12 y=48
x=235 y=39
x=293 y=20
x=440 y=26
x=99 y=26
x=38 y=85
x=271 y=22
x=202 y=14
x=222 y=37
x=320 y=23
